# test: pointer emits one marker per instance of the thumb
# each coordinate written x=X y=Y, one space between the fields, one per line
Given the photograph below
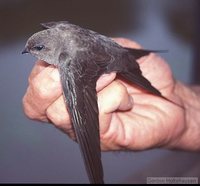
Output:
x=105 y=80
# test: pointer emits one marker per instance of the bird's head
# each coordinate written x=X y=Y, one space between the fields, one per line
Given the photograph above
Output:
x=44 y=45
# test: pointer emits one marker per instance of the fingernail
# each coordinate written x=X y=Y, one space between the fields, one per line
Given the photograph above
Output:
x=104 y=75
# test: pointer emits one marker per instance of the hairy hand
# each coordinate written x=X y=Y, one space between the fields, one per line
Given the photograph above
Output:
x=129 y=117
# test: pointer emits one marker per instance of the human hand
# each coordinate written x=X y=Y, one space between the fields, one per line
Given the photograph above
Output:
x=129 y=118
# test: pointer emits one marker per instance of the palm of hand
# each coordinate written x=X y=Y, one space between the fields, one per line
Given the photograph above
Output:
x=152 y=121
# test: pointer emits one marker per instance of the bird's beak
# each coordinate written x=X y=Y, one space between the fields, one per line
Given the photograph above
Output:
x=26 y=50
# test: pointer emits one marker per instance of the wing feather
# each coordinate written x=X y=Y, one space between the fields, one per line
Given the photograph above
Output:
x=82 y=106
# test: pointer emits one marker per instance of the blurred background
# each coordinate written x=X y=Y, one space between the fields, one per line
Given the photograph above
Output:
x=34 y=152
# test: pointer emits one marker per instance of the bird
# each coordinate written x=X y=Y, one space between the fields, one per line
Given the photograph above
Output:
x=82 y=56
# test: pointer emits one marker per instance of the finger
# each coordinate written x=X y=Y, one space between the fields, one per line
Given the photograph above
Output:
x=43 y=90
x=57 y=113
x=38 y=67
x=113 y=97
x=104 y=80
x=30 y=109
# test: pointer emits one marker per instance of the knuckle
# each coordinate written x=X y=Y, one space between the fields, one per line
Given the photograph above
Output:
x=39 y=88
x=43 y=87
x=59 y=120
x=42 y=93
x=30 y=80
x=29 y=112
x=26 y=106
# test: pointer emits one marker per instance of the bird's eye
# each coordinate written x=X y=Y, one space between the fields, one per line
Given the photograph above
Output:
x=39 y=47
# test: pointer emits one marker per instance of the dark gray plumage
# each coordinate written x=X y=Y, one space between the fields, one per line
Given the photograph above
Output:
x=82 y=56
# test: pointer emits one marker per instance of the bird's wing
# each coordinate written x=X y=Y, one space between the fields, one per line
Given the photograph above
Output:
x=138 y=53
x=137 y=78
x=129 y=70
x=81 y=100
x=133 y=74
